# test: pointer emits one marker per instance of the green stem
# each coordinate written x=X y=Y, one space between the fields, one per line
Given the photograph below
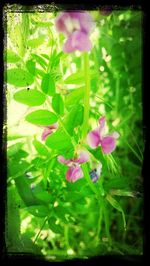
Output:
x=40 y=230
x=66 y=236
x=135 y=153
x=117 y=93
x=86 y=95
x=107 y=224
x=99 y=223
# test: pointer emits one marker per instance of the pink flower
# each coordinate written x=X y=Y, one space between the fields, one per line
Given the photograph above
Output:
x=97 y=137
x=77 y=27
x=48 y=130
x=74 y=172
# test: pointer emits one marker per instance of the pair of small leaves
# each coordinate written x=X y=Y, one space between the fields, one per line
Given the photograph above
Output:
x=32 y=97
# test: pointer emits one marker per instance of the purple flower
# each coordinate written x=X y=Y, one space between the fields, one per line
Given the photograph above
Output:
x=97 y=138
x=95 y=173
x=74 y=172
x=76 y=26
x=48 y=130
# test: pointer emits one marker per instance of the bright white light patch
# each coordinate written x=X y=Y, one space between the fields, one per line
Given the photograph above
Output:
x=101 y=68
x=55 y=204
x=70 y=251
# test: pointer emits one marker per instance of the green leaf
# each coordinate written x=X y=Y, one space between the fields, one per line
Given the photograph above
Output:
x=122 y=192
x=42 y=23
x=55 y=59
x=48 y=85
x=19 y=77
x=38 y=210
x=116 y=205
x=11 y=57
x=117 y=183
x=59 y=141
x=13 y=149
x=40 y=148
x=18 y=155
x=25 y=191
x=40 y=60
x=75 y=196
x=30 y=64
x=30 y=97
x=16 y=168
x=12 y=220
x=74 y=96
x=60 y=212
x=56 y=228
x=39 y=72
x=45 y=56
x=28 y=246
x=79 y=77
x=41 y=118
x=57 y=104
x=43 y=196
x=33 y=43
x=74 y=119
x=14 y=136
x=76 y=78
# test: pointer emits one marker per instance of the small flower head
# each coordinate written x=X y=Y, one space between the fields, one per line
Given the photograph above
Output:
x=97 y=138
x=96 y=172
x=74 y=172
x=48 y=130
x=76 y=26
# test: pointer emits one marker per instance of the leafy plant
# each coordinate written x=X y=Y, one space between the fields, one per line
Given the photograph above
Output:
x=60 y=98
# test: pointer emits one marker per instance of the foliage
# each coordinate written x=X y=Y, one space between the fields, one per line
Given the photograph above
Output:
x=45 y=213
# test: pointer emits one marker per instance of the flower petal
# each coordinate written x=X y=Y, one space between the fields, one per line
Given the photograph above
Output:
x=108 y=144
x=115 y=135
x=60 y=24
x=81 y=41
x=62 y=160
x=93 y=138
x=48 y=130
x=78 y=40
x=68 y=48
x=102 y=121
x=46 y=133
x=84 y=157
x=85 y=19
x=54 y=126
x=74 y=173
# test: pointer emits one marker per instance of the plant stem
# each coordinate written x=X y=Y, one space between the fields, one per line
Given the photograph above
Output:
x=86 y=95
x=107 y=223
x=40 y=230
x=99 y=222
x=117 y=92
x=66 y=236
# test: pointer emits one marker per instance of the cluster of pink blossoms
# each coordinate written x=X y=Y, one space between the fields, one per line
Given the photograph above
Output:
x=77 y=27
x=95 y=138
